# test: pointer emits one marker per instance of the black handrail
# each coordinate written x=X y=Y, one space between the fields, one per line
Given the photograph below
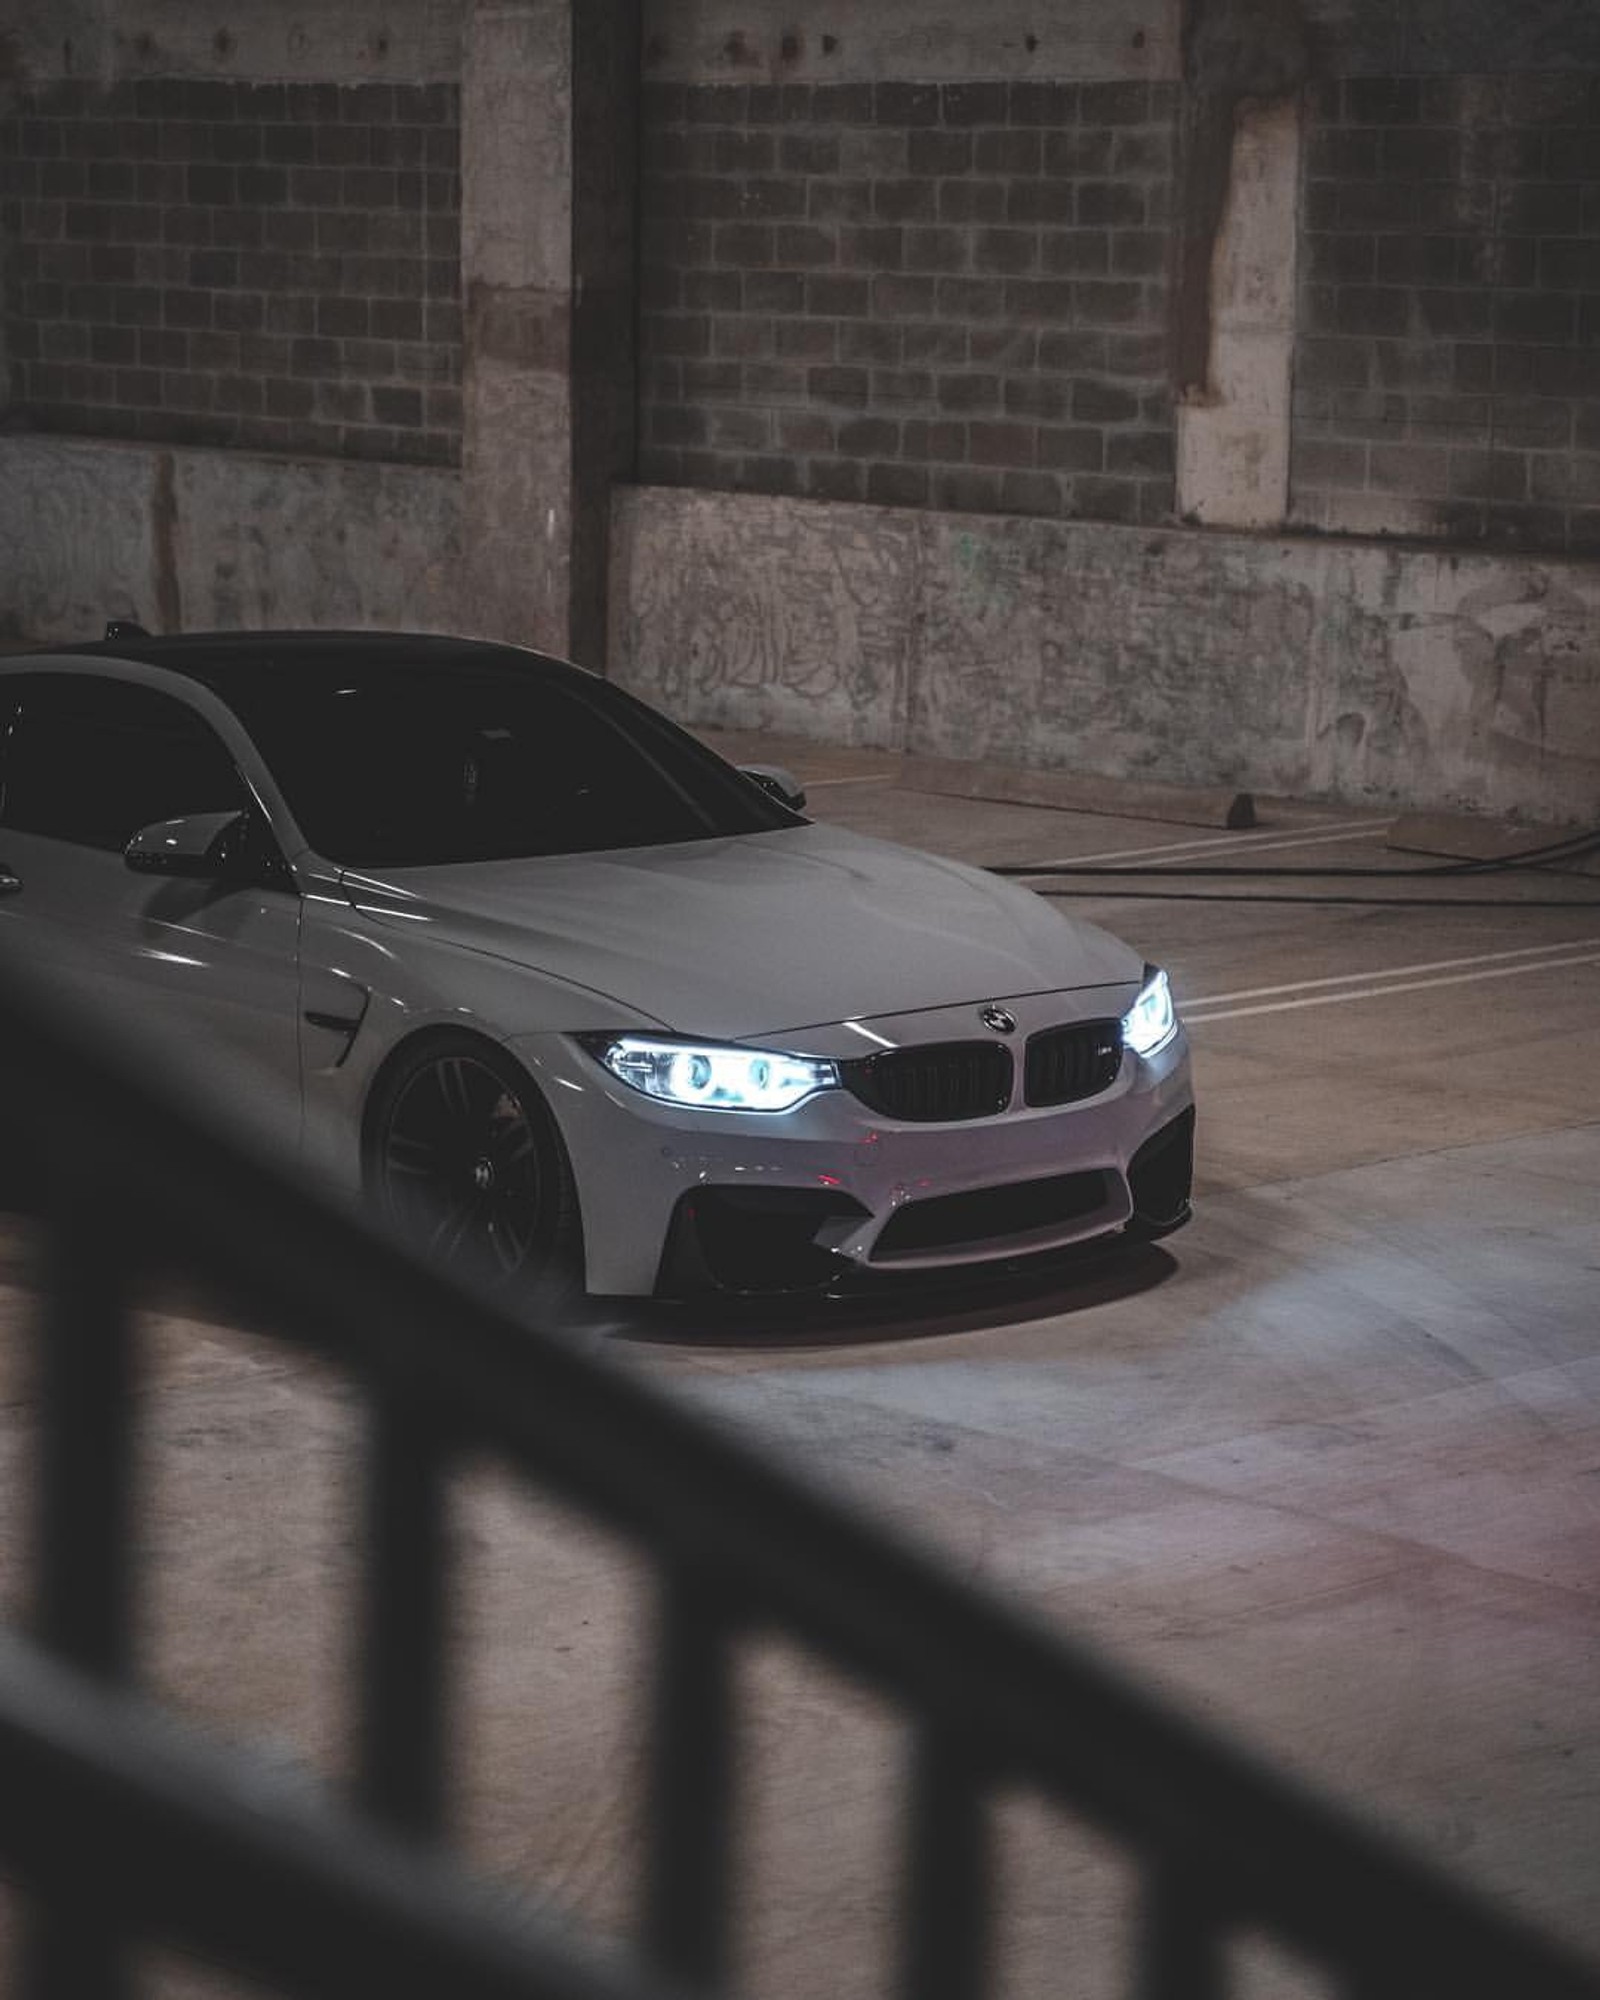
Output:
x=108 y=1807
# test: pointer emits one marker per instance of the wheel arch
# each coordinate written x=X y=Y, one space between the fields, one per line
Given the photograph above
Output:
x=445 y=1035
x=432 y=1034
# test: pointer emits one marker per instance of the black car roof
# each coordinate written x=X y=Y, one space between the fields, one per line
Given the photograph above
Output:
x=230 y=661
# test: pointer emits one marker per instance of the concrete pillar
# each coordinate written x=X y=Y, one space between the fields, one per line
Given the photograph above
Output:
x=1233 y=431
x=1244 y=65
x=605 y=193
x=548 y=136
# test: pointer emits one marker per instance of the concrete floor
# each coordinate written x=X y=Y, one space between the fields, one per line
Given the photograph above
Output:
x=1326 y=1465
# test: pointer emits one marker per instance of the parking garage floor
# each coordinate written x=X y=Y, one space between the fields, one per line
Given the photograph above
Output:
x=1326 y=1465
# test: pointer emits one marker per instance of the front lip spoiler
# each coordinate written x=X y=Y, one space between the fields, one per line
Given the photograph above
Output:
x=854 y=1284
x=861 y=1296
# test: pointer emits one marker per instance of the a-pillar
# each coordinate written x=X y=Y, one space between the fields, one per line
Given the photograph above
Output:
x=549 y=144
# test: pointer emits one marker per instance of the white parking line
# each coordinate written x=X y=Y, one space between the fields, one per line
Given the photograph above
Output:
x=1379 y=992
x=867 y=778
x=1394 y=972
x=1227 y=843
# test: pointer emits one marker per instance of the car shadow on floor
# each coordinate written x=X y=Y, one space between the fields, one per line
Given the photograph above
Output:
x=921 y=1307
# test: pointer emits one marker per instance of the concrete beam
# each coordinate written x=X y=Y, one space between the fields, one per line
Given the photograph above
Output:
x=46 y=41
x=841 y=41
x=1453 y=37
x=358 y=41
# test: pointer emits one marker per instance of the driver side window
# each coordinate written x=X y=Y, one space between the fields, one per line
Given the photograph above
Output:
x=91 y=761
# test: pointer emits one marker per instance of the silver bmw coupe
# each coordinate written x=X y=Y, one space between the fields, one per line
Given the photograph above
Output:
x=565 y=996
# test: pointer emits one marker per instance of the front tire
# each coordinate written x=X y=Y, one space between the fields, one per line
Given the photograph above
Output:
x=464 y=1163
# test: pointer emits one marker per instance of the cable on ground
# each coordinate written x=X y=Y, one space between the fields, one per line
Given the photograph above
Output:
x=1532 y=860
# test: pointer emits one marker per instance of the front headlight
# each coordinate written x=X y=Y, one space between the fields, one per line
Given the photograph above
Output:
x=1152 y=1021
x=712 y=1076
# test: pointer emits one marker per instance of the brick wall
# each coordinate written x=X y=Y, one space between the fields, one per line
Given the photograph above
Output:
x=1447 y=370
x=273 y=266
x=929 y=295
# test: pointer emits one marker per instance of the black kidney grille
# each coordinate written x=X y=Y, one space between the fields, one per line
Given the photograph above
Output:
x=1066 y=1064
x=940 y=1083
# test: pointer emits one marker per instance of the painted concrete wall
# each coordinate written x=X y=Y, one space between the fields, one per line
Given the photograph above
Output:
x=1362 y=672
x=203 y=540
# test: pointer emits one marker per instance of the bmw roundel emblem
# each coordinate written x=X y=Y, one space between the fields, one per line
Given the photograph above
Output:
x=998 y=1019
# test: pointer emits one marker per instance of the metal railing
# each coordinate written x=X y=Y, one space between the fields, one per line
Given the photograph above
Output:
x=120 y=1825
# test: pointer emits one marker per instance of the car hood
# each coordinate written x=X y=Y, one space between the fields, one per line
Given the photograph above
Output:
x=759 y=935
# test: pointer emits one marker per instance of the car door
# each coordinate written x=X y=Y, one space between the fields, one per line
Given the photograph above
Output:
x=86 y=760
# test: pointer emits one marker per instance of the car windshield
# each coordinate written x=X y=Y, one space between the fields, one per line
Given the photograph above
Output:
x=405 y=767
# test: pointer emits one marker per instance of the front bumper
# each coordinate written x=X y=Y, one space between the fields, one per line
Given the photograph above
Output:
x=677 y=1200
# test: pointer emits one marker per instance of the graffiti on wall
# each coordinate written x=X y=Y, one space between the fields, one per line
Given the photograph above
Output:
x=1370 y=673
x=769 y=617
x=77 y=539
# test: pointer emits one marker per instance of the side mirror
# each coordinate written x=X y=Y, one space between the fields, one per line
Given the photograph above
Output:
x=200 y=845
x=779 y=782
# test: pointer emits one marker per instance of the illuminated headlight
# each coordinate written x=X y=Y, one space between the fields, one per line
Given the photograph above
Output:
x=711 y=1076
x=1152 y=1021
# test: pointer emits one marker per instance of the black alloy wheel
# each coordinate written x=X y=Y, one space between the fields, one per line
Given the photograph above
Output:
x=466 y=1165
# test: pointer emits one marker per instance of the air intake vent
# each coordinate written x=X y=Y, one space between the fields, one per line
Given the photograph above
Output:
x=1066 y=1064
x=952 y=1222
x=942 y=1083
